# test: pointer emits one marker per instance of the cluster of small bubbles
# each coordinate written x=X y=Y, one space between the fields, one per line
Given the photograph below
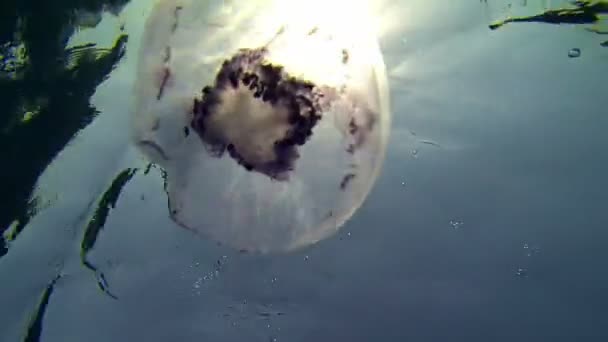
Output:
x=306 y=258
x=402 y=183
x=274 y=280
x=348 y=235
x=243 y=311
x=522 y=272
x=209 y=276
x=415 y=153
x=530 y=251
x=456 y=224
x=219 y=263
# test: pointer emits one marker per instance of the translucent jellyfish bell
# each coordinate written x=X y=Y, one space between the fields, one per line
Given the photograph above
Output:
x=271 y=120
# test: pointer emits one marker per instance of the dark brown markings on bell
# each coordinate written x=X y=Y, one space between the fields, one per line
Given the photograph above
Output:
x=234 y=79
x=186 y=131
x=176 y=18
x=345 y=56
x=279 y=32
x=360 y=131
x=352 y=126
x=163 y=82
x=216 y=149
x=371 y=121
x=167 y=56
x=313 y=31
x=269 y=83
x=155 y=147
x=346 y=180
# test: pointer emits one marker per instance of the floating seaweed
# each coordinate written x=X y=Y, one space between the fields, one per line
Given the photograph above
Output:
x=40 y=94
x=583 y=12
x=34 y=326
x=64 y=107
x=97 y=222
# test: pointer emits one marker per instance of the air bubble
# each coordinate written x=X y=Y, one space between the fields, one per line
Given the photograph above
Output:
x=455 y=224
x=522 y=272
x=574 y=53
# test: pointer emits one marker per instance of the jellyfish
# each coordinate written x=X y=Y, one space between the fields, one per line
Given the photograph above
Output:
x=270 y=120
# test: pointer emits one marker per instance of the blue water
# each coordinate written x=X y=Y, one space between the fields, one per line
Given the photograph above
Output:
x=488 y=222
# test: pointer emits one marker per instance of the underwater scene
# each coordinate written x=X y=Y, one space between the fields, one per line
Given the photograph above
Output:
x=303 y=170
